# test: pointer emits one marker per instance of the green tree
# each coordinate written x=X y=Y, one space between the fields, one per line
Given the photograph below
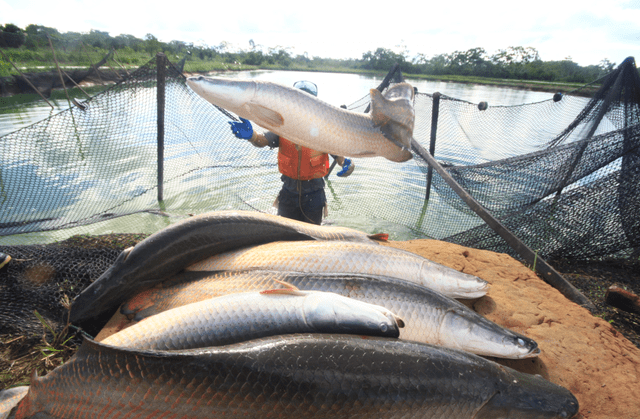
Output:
x=279 y=55
x=127 y=41
x=151 y=44
x=11 y=36
x=253 y=58
x=98 y=39
x=381 y=59
x=37 y=36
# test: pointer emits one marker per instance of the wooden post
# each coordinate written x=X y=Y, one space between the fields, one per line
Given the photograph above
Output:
x=435 y=110
x=35 y=89
x=161 y=78
x=55 y=59
x=550 y=275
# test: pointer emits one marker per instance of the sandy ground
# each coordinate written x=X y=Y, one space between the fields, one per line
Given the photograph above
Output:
x=580 y=352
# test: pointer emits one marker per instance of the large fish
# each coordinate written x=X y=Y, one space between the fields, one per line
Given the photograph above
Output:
x=250 y=315
x=171 y=249
x=306 y=120
x=292 y=376
x=346 y=257
x=429 y=317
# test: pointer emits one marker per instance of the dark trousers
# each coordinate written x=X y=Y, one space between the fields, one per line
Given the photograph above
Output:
x=302 y=207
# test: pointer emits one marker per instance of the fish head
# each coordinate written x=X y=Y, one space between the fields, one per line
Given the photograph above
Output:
x=527 y=396
x=103 y=293
x=332 y=313
x=466 y=331
x=463 y=285
x=230 y=94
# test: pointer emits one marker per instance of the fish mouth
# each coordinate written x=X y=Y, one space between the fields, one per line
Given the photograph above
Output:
x=529 y=346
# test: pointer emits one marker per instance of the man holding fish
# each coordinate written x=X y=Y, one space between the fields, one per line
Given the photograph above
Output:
x=302 y=195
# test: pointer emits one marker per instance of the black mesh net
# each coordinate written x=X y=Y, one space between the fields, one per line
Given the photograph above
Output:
x=78 y=187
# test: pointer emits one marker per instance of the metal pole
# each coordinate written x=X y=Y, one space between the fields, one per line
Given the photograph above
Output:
x=550 y=275
x=161 y=75
x=435 y=110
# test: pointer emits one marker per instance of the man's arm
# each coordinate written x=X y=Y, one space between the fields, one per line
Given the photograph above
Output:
x=267 y=139
x=245 y=131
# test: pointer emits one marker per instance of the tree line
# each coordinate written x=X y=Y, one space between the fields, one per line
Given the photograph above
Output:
x=522 y=63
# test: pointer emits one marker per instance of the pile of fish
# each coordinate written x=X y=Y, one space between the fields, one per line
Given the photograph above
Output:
x=247 y=314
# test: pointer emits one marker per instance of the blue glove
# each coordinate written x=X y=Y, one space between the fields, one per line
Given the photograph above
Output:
x=242 y=130
x=347 y=168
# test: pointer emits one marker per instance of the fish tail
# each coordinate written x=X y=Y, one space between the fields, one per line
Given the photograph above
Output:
x=383 y=237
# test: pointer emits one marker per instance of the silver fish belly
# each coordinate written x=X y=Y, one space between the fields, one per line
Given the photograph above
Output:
x=342 y=257
x=250 y=315
x=429 y=316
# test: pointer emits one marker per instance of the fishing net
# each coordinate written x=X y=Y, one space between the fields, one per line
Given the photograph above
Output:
x=80 y=186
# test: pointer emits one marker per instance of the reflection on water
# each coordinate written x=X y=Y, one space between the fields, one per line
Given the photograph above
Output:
x=22 y=110
x=379 y=196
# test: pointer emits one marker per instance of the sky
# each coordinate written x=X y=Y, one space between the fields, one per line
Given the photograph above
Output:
x=586 y=31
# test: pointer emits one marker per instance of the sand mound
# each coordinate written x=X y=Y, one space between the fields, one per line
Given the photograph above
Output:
x=580 y=352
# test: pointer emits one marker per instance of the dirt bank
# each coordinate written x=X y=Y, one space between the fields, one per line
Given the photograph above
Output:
x=579 y=351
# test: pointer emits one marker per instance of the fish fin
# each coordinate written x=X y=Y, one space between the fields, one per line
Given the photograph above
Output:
x=383 y=237
x=264 y=116
x=139 y=302
x=289 y=289
x=124 y=255
x=144 y=313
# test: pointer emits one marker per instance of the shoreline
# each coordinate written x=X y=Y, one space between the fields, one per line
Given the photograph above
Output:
x=9 y=85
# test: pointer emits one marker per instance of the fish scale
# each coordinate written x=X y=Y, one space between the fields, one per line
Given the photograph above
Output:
x=428 y=316
x=308 y=121
x=248 y=315
x=347 y=257
x=292 y=376
x=170 y=250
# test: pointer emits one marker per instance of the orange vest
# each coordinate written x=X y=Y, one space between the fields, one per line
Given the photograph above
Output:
x=302 y=163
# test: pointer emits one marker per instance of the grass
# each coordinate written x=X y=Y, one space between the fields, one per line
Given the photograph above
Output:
x=20 y=359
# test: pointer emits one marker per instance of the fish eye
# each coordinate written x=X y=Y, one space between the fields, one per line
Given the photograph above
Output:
x=520 y=342
x=383 y=327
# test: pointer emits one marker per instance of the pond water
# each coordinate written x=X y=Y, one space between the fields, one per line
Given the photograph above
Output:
x=335 y=88
x=359 y=191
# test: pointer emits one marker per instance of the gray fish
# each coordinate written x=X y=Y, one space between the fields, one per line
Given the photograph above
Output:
x=347 y=257
x=293 y=376
x=171 y=249
x=250 y=315
x=429 y=316
x=306 y=120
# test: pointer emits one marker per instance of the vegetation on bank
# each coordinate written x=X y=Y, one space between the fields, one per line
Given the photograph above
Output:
x=30 y=50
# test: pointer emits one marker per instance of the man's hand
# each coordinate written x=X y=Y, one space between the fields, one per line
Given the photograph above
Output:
x=347 y=168
x=242 y=130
